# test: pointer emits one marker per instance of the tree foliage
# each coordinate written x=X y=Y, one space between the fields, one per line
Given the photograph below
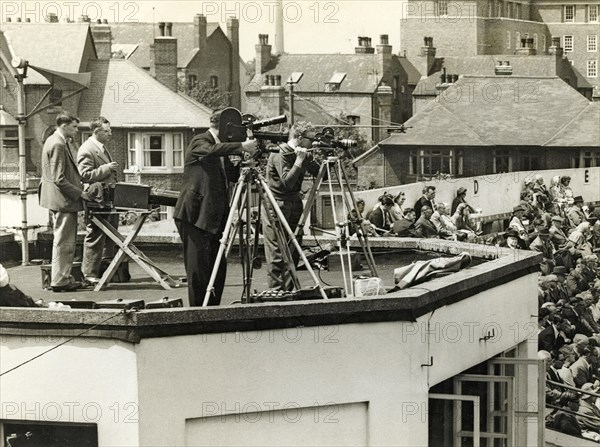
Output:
x=212 y=97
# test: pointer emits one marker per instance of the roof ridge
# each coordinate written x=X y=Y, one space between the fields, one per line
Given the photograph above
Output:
x=559 y=131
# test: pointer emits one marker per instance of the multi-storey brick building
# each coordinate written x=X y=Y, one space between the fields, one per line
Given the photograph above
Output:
x=497 y=27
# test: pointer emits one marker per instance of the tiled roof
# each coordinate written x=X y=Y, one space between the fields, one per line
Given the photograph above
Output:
x=413 y=74
x=581 y=131
x=485 y=66
x=362 y=72
x=40 y=45
x=143 y=34
x=129 y=97
x=304 y=110
x=479 y=110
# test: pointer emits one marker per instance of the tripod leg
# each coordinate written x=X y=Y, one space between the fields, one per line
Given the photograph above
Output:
x=361 y=235
x=290 y=233
x=312 y=195
x=227 y=233
x=274 y=224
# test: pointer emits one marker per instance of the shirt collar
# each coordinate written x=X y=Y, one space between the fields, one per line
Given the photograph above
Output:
x=214 y=134
x=94 y=140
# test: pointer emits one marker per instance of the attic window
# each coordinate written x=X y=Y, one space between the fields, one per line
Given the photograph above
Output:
x=333 y=85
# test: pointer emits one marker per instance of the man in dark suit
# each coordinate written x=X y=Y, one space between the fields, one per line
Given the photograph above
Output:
x=582 y=369
x=96 y=165
x=202 y=209
x=425 y=200
x=424 y=227
x=62 y=193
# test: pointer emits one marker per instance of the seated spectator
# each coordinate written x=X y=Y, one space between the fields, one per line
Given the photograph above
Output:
x=425 y=200
x=582 y=368
x=461 y=196
x=442 y=221
x=539 y=187
x=567 y=192
x=355 y=218
x=380 y=217
x=543 y=245
x=557 y=197
x=569 y=358
x=423 y=226
x=575 y=213
x=516 y=223
x=588 y=414
x=580 y=237
x=461 y=220
x=405 y=227
x=513 y=240
x=396 y=212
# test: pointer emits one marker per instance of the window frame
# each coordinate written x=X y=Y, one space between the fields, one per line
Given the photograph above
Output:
x=592 y=43
x=571 y=48
x=136 y=150
x=593 y=8
x=566 y=13
x=592 y=68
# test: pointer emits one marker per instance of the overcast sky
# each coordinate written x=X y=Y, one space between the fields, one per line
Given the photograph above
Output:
x=309 y=26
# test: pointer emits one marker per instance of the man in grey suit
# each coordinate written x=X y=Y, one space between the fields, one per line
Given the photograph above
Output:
x=96 y=165
x=61 y=192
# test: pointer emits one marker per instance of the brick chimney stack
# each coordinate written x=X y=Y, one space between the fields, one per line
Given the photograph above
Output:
x=526 y=48
x=426 y=59
x=263 y=53
x=384 y=58
x=364 y=46
x=102 y=35
x=163 y=58
x=272 y=96
x=384 y=102
x=200 y=38
x=233 y=33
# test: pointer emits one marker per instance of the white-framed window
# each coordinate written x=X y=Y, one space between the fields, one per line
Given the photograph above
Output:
x=508 y=40
x=535 y=41
x=568 y=43
x=441 y=8
x=592 y=69
x=593 y=13
x=569 y=13
x=544 y=43
x=592 y=44
x=155 y=151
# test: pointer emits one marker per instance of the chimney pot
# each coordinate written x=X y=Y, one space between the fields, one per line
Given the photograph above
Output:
x=105 y=21
x=19 y=19
x=161 y=29
x=384 y=39
x=278 y=80
x=28 y=20
x=169 y=29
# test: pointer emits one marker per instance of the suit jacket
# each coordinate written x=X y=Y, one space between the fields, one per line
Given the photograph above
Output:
x=203 y=201
x=587 y=408
x=381 y=219
x=91 y=161
x=425 y=228
x=423 y=201
x=549 y=341
x=582 y=372
x=60 y=188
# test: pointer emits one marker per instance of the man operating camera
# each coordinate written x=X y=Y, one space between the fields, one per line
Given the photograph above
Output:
x=285 y=173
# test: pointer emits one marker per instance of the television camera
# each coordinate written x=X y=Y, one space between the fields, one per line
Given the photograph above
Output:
x=236 y=128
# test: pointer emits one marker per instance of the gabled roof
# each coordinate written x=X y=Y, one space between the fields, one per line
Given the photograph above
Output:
x=142 y=100
x=39 y=43
x=413 y=74
x=583 y=130
x=304 y=110
x=142 y=34
x=522 y=65
x=489 y=111
x=362 y=71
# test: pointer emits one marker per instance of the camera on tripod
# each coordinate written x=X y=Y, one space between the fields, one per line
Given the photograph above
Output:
x=326 y=143
x=236 y=128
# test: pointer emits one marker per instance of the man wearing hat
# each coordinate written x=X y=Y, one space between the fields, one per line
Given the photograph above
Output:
x=576 y=214
x=513 y=240
x=516 y=222
x=543 y=245
x=588 y=414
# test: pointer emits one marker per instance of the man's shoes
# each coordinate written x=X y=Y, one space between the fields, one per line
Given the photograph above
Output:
x=91 y=280
x=71 y=287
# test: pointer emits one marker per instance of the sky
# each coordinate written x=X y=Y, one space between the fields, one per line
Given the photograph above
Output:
x=309 y=26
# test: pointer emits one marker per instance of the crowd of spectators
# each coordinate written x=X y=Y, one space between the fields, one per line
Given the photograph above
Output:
x=554 y=222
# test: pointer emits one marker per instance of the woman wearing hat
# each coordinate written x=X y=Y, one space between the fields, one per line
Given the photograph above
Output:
x=461 y=195
x=516 y=222
x=461 y=220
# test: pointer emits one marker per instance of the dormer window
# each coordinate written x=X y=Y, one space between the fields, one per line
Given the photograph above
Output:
x=333 y=85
